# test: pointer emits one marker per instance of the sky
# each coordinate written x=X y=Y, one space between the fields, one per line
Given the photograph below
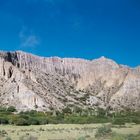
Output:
x=73 y=28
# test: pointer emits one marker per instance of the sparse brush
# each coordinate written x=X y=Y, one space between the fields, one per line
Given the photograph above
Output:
x=41 y=129
x=103 y=131
x=3 y=133
x=8 y=138
x=30 y=137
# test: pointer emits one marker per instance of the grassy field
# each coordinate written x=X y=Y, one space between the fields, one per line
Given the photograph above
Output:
x=61 y=131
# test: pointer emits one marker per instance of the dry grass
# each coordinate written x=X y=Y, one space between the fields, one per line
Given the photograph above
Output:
x=62 y=131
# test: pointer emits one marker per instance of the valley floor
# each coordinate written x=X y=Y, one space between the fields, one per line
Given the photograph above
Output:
x=62 y=131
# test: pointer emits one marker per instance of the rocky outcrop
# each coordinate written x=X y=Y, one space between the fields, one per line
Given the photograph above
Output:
x=32 y=82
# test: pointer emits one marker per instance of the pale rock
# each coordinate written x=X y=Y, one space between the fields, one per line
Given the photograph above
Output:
x=31 y=82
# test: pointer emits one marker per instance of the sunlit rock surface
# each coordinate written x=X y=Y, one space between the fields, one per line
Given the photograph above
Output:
x=31 y=82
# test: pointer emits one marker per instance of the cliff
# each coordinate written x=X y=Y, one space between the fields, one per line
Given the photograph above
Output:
x=31 y=82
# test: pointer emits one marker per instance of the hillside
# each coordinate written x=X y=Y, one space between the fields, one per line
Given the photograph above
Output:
x=31 y=82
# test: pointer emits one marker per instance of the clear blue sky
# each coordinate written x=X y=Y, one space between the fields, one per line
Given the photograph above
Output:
x=73 y=28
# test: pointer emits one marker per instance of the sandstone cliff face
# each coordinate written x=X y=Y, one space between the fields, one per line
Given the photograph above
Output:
x=32 y=82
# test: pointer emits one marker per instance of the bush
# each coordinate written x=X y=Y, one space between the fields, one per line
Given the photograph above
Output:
x=101 y=112
x=33 y=121
x=2 y=109
x=67 y=110
x=3 y=121
x=19 y=121
x=103 y=131
x=43 y=120
x=118 y=121
x=11 y=109
x=136 y=120
x=78 y=116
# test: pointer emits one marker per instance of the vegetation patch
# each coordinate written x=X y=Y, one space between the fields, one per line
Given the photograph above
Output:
x=66 y=116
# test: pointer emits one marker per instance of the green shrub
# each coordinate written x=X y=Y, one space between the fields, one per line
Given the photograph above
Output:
x=2 y=109
x=77 y=116
x=101 y=112
x=67 y=110
x=103 y=131
x=19 y=121
x=11 y=109
x=136 y=120
x=33 y=121
x=118 y=121
x=42 y=120
x=3 y=120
